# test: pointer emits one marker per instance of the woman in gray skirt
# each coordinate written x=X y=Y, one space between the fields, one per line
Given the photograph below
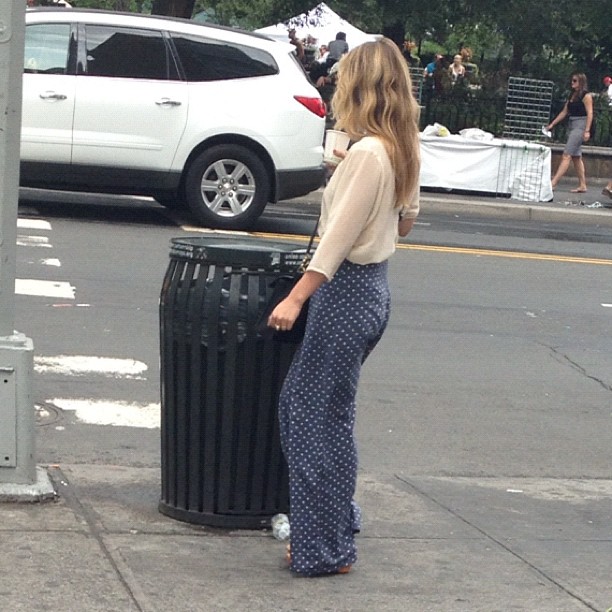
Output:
x=579 y=108
x=371 y=198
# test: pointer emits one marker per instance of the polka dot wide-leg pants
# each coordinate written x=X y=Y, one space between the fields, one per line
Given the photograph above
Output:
x=346 y=318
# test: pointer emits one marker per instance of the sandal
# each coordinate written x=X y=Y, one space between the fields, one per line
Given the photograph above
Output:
x=607 y=192
x=341 y=570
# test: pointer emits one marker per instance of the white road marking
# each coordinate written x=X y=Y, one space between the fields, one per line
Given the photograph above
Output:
x=43 y=288
x=50 y=262
x=78 y=365
x=607 y=305
x=118 y=414
x=36 y=241
x=38 y=224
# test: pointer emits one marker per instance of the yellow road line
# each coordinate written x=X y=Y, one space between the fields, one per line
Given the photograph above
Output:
x=299 y=237
x=468 y=251
x=507 y=254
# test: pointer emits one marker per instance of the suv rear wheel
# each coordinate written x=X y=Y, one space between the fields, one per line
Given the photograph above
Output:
x=227 y=187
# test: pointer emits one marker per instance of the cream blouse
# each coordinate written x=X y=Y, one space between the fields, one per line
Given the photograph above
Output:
x=359 y=221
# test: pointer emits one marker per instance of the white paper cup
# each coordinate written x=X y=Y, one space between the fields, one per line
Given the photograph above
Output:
x=334 y=139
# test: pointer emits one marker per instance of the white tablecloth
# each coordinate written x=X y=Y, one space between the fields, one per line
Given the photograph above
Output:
x=518 y=168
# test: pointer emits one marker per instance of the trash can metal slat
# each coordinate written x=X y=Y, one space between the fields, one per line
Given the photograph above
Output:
x=226 y=418
x=182 y=360
x=195 y=383
x=244 y=492
x=168 y=426
x=211 y=378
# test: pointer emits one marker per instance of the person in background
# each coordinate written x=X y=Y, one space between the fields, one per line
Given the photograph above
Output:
x=329 y=77
x=409 y=48
x=579 y=108
x=471 y=69
x=318 y=68
x=297 y=43
x=337 y=48
x=607 y=81
x=370 y=199
x=433 y=75
x=430 y=69
x=310 y=51
x=456 y=70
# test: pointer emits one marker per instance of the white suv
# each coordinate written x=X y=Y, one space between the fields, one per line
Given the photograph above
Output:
x=222 y=120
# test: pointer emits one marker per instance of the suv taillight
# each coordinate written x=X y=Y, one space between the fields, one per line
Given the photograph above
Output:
x=314 y=105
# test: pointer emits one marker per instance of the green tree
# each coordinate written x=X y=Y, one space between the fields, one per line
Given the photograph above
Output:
x=528 y=26
x=130 y=6
x=174 y=8
x=587 y=37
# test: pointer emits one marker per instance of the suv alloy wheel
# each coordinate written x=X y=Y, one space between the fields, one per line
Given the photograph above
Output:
x=228 y=186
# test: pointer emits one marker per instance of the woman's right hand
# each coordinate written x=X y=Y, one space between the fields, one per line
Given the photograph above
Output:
x=332 y=167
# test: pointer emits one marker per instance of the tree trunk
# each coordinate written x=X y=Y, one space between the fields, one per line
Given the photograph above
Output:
x=517 y=58
x=396 y=32
x=173 y=8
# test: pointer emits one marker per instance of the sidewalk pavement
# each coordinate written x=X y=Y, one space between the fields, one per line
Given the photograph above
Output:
x=428 y=544
x=591 y=208
x=442 y=544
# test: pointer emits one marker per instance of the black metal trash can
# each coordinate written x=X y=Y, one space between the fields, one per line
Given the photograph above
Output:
x=221 y=460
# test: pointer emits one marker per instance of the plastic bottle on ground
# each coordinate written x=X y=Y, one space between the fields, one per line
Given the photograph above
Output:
x=280 y=526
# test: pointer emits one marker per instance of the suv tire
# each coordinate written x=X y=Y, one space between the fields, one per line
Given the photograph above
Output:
x=169 y=200
x=227 y=187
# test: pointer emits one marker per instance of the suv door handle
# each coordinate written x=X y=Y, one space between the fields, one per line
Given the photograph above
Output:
x=168 y=102
x=51 y=95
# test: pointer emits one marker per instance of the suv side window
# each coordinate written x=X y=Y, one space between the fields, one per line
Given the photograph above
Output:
x=47 y=47
x=128 y=53
x=212 y=60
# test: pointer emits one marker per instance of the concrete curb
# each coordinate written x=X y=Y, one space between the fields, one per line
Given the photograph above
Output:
x=479 y=206
x=517 y=211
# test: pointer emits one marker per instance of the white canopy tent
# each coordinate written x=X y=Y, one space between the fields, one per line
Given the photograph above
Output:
x=321 y=23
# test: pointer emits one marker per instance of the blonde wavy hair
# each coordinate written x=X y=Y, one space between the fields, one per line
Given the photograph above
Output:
x=374 y=97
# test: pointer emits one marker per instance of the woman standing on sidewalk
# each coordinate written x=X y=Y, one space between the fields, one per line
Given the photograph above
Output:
x=579 y=108
x=371 y=198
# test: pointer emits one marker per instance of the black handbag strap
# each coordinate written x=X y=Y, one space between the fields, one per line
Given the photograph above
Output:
x=312 y=236
x=307 y=256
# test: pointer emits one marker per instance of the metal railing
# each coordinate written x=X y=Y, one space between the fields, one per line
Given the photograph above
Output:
x=466 y=109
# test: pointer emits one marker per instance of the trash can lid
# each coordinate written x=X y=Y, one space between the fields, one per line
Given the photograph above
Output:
x=245 y=252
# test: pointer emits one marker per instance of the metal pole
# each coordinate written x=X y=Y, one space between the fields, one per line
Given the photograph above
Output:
x=12 y=20
x=16 y=351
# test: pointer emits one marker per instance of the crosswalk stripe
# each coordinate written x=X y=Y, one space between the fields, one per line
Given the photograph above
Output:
x=77 y=365
x=106 y=412
x=33 y=241
x=38 y=224
x=50 y=261
x=43 y=288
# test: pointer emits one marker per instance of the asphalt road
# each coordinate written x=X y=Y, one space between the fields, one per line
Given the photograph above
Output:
x=496 y=362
